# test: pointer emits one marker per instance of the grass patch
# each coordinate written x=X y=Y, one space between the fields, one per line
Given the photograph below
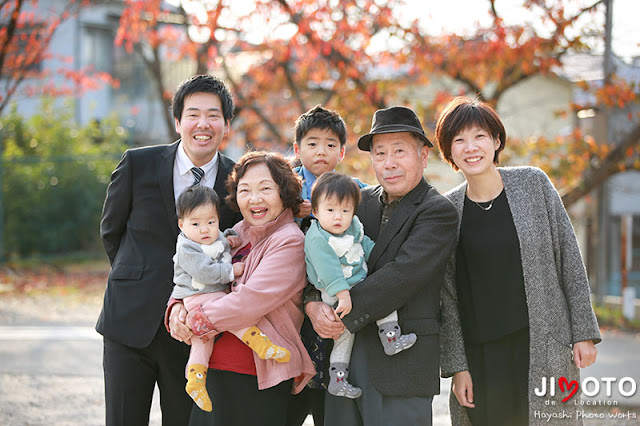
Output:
x=58 y=275
x=73 y=259
x=612 y=317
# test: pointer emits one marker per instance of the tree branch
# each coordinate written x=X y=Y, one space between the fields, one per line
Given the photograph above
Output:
x=583 y=11
x=334 y=56
x=154 y=66
x=273 y=129
x=328 y=96
x=597 y=175
x=11 y=29
x=293 y=86
x=494 y=12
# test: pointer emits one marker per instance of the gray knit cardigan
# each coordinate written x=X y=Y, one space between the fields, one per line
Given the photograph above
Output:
x=556 y=287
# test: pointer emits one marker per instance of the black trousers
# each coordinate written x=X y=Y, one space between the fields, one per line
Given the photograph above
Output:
x=130 y=376
x=238 y=402
x=374 y=408
x=309 y=401
x=500 y=373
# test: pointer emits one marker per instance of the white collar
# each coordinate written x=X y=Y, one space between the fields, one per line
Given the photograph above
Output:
x=185 y=164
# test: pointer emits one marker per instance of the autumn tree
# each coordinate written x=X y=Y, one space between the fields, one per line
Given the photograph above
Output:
x=281 y=57
x=27 y=28
x=490 y=61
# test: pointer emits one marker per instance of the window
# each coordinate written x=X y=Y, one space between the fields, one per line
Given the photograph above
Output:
x=97 y=48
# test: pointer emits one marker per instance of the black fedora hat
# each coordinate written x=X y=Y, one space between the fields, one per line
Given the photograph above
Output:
x=393 y=120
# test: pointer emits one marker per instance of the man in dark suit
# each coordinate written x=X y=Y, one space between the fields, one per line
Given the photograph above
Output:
x=139 y=229
x=414 y=228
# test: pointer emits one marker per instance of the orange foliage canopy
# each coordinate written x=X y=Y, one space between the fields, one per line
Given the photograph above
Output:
x=281 y=57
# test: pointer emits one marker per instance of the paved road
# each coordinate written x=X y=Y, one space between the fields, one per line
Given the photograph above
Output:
x=53 y=375
x=51 y=369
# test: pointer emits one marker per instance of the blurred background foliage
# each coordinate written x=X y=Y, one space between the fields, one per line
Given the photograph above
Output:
x=54 y=177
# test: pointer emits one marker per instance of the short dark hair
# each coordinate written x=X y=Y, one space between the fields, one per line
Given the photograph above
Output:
x=321 y=118
x=334 y=184
x=203 y=84
x=462 y=113
x=288 y=182
x=194 y=197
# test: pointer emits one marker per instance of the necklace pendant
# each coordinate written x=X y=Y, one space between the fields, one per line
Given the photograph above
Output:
x=487 y=208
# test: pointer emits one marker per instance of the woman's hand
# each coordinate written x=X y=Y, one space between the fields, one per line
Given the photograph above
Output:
x=344 y=303
x=463 y=388
x=178 y=324
x=584 y=353
x=324 y=320
x=305 y=209
x=234 y=241
x=238 y=269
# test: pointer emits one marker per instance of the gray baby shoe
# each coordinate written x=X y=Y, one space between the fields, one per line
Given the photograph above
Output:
x=393 y=341
x=338 y=385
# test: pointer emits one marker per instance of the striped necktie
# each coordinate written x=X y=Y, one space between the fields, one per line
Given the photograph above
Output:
x=198 y=174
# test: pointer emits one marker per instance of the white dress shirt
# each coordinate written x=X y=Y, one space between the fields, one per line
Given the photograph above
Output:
x=182 y=176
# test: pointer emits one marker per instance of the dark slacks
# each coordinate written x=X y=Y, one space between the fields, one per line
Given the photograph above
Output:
x=373 y=408
x=500 y=373
x=238 y=402
x=130 y=376
x=309 y=401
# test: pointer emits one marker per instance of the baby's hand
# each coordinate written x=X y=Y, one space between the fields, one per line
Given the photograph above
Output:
x=234 y=241
x=305 y=209
x=344 y=303
x=238 y=269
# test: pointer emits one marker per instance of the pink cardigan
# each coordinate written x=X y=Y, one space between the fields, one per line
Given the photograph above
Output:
x=269 y=295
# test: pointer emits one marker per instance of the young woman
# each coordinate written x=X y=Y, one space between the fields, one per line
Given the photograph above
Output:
x=516 y=307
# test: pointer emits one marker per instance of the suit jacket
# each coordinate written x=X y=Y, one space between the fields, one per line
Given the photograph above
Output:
x=139 y=229
x=406 y=269
x=556 y=287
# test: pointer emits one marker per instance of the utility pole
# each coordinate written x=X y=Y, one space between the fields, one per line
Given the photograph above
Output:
x=602 y=249
x=1 y=199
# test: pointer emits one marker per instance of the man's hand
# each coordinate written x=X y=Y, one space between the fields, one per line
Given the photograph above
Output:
x=238 y=269
x=234 y=241
x=324 y=320
x=463 y=388
x=305 y=209
x=344 y=303
x=584 y=353
x=178 y=324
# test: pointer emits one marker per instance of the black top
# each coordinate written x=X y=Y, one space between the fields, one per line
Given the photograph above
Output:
x=489 y=275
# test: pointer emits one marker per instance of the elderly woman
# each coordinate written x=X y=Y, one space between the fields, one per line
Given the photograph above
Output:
x=516 y=308
x=245 y=389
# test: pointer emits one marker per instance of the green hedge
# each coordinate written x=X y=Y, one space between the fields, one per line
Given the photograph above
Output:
x=54 y=176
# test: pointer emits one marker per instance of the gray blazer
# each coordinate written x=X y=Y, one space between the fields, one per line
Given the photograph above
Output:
x=556 y=288
x=406 y=269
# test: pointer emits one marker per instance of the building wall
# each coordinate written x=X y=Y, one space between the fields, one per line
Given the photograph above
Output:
x=530 y=109
x=87 y=40
x=534 y=108
x=623 y=191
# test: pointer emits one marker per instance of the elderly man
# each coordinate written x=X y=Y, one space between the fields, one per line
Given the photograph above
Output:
x=414 y=228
